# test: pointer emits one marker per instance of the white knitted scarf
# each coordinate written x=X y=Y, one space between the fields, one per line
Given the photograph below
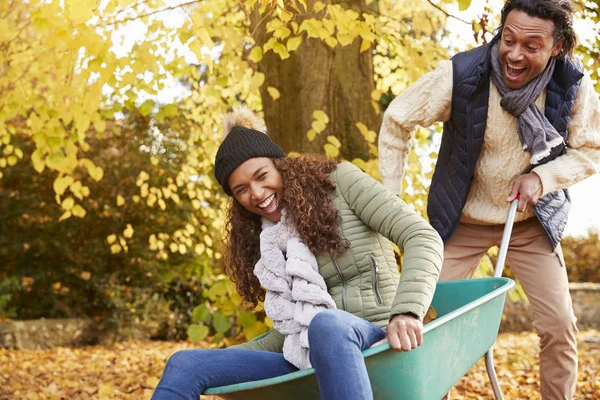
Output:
x=295 y=291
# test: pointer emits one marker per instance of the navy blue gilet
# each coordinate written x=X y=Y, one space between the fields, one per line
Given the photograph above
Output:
x=464 y=133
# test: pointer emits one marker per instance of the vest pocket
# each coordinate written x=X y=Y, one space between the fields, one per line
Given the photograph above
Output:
x=375 y=269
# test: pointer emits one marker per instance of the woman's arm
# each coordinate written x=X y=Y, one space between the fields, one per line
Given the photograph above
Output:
x=388 y=215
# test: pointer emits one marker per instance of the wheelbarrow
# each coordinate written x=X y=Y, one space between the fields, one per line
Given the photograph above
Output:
x=469 y=315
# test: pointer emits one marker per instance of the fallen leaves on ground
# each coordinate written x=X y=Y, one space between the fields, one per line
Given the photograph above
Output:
x=131 y=370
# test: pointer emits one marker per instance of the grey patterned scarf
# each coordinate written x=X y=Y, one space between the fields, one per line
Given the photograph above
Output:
x=537 y=135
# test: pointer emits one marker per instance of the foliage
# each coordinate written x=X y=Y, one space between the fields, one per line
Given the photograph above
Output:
x=134 y=369
x=582 y=257
x=98 y=265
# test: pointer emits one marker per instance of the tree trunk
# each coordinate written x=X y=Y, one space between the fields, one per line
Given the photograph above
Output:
x=337 y=81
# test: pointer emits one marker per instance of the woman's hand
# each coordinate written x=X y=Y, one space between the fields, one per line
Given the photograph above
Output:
x=405 y=332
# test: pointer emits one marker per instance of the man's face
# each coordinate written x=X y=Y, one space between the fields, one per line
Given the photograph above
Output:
x=526 y=46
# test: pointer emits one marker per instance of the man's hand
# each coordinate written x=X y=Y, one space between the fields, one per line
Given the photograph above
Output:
x=405 y=332
x=530 y=188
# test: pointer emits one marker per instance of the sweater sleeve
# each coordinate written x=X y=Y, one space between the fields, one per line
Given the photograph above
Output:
x=428 y=100
x=582 y=158
x=385 y=213
x=272 y=341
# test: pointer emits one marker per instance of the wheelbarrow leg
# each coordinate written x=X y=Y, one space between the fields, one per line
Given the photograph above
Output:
x=491 y=371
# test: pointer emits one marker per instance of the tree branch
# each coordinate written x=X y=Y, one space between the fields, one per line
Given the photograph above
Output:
x=148 y=14
x=447 y=13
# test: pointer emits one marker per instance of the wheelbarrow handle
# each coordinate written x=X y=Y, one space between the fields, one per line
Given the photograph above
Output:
x=510 y=220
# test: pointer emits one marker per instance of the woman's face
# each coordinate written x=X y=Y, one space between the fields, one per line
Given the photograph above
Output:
x=257 y=185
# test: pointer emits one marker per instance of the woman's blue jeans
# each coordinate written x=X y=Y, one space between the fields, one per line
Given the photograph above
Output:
x=336 y=340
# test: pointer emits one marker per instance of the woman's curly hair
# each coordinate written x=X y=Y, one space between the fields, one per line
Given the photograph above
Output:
x=306 y=189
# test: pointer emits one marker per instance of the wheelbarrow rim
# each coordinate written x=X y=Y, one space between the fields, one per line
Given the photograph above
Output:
x=507 y=285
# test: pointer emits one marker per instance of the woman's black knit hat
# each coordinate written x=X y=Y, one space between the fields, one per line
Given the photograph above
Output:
x=243 y=141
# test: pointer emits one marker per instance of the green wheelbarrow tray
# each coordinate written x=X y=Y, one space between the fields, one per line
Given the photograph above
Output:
x=469 y=314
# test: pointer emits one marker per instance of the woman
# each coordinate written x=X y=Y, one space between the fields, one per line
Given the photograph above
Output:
x=312 y=239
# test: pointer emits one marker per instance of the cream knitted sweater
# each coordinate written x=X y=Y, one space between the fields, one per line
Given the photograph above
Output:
x=502 y=158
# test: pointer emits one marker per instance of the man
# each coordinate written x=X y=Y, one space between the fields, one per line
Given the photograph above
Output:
x=519 y=117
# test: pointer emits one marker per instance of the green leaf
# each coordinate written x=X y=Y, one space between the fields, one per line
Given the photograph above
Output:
x=201 y=313
x=221 y=322
x=197 y=333
x=219 y=288
x=247 y=319
x=228 y=308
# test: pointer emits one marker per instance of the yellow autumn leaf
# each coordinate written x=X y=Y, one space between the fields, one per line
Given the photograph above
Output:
x=318 y=6
x=78 y=211
x=120 y=200
x=273 y=92
x=200 y=248
x=152 y=382
x=334 y=141
x=128 y=232
x=312 y=134
x=293 y=43
x=66 y=215
x=362 y=128
x=68 y=203
x=331 y=41
x=97 y=174
x=365 y=45
x=110 y=239
x=281 y=50
x=208 y=240
x=61 y=184
x=318 y=126
x=115 y=248
x=79 y=11
x=77 y=189
x=85 y=275
x=320 y=115
x=205 y=37
x=256 y=54
x=330 y=150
